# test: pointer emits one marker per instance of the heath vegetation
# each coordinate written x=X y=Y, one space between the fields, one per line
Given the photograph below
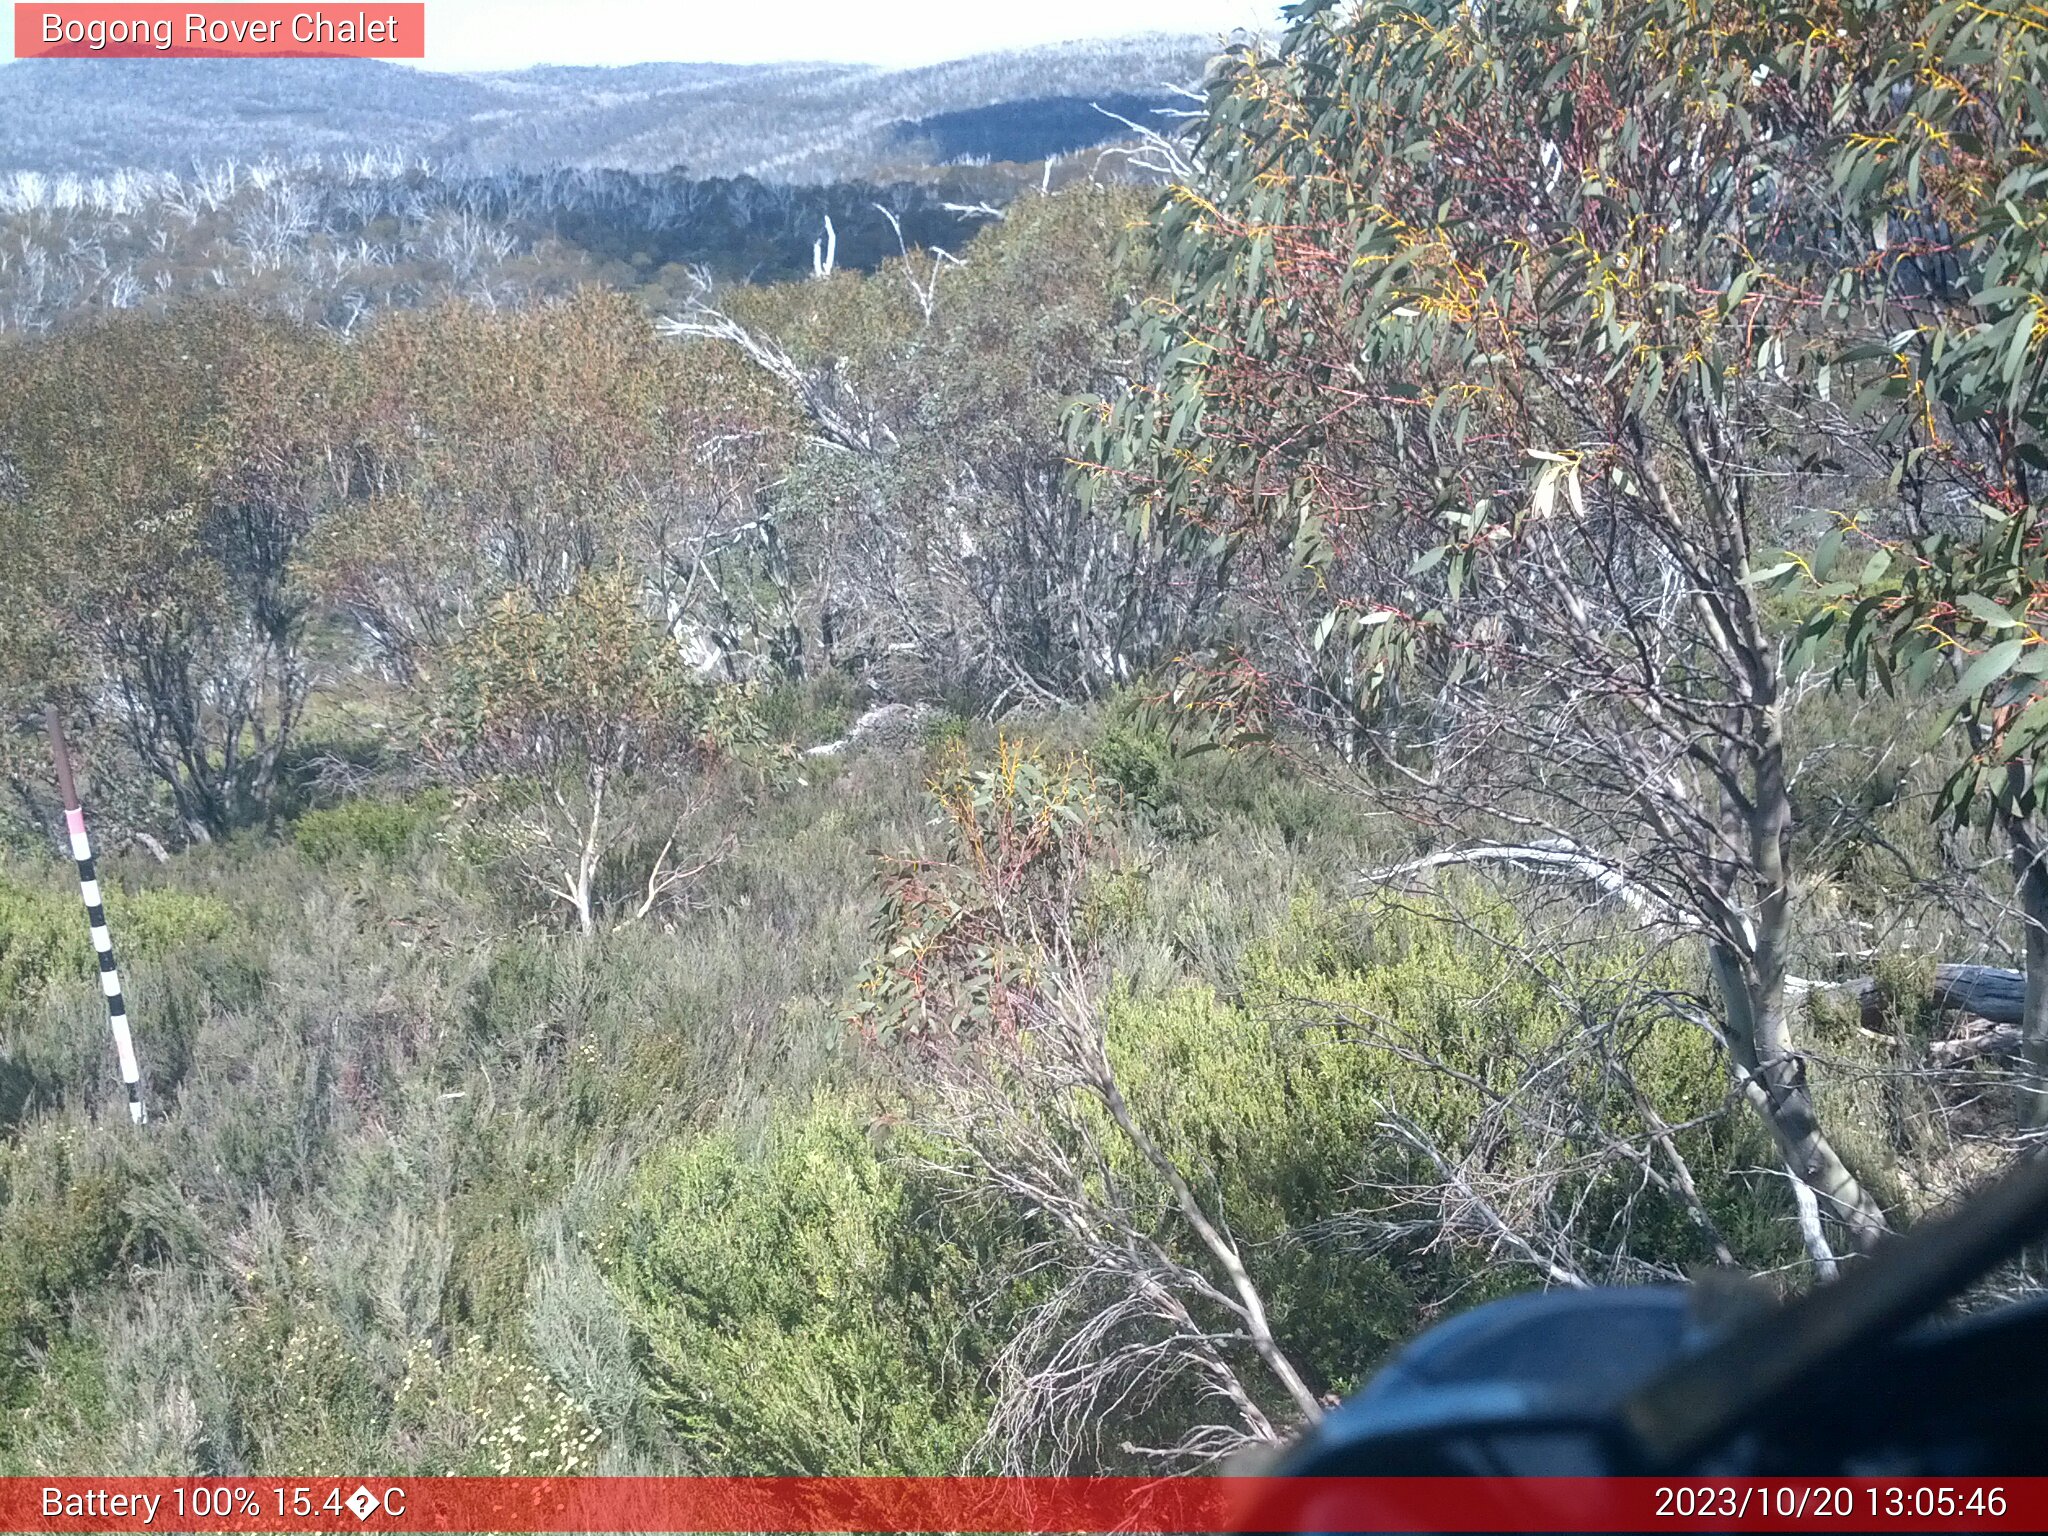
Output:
x=1025 y=857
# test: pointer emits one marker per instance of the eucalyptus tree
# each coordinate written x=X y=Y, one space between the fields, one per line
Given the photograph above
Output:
x=1949 y=581
x=162 y=478
x=500 y=451
x=926 y=517
x=1485 y=348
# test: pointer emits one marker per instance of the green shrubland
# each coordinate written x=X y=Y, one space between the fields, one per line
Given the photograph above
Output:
x=43 y=936
x=368 y=829
x=421 y=1187
x=810 y=1302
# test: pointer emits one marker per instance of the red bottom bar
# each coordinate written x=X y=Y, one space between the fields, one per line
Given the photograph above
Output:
x=1050 y=1504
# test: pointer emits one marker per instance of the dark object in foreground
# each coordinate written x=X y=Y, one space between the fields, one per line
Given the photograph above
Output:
x=1850 y=1379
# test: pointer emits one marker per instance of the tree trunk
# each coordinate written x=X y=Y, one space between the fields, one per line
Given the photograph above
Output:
x=1773 y=1079
x=1811 y=1232
x=1753 y=979
x=584 y=884
x=2030 y=873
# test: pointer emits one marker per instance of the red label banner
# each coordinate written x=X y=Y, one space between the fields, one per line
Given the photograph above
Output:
x=1083 y=1505
x=241 y=31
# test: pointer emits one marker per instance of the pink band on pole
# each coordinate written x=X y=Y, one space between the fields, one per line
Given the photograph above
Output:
x=75 y=820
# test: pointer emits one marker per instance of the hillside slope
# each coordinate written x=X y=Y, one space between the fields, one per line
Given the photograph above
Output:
x=790 y=122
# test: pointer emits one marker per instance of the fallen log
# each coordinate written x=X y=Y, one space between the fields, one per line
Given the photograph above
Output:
x=1553 y=855
x=1977 y=1037
x=1988 y=991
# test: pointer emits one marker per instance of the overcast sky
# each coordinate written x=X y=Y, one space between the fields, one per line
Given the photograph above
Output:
x=511 y=34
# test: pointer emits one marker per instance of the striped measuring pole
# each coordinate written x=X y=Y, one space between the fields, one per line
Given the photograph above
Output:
x=96 y=917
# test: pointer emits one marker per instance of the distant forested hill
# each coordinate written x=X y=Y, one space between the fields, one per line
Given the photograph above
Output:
x=1035 y=128
x=793 y=123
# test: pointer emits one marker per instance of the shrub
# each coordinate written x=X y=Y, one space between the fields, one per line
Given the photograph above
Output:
x=1411 y=985
x=44 y=938
x=62 y=1232
x=494 y=1413
x=578 y=732
x=1276 y=1124
x=946 y=731
x=1276 y=1104
x=487 y=1276
x=810 y=1309
x=814 y=709
x=371 y=830
x=303 y=1402
x=958 y=930
x=40 y=936
x=1136 y=754
x=153 y=923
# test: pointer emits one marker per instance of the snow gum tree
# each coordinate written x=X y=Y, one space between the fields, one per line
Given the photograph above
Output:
x=1489 y=346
